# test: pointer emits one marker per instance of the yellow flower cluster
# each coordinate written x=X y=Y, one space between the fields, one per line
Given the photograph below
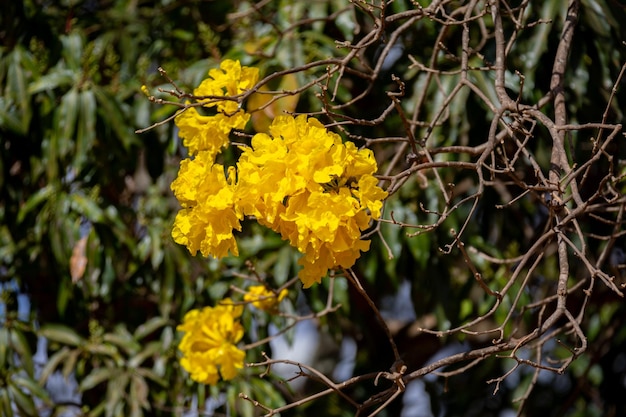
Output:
x=207 y=219
x=210 y=132
x=300 y=180
x=316 y=191
x=209 y=343
x=263 y=298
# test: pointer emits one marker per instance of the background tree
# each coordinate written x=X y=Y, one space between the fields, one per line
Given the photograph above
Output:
x=497 y=127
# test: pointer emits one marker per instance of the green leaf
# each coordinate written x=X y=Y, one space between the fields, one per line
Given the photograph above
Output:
x=283 y=265
x=64 y=295
x=4 y=346
x=393 y=235
x=33 y=202
x=168 y=284
x=87 y=207
x=21 y=347
x=599 y=17
x=149 y=327
x=70 y=364
x=24 y=403
x=8 y=118
x=97 y=376
x=61 y=334
x=184 y=35
x=61 y=229
x=116 y=391
x=58 y=77
x=52 y=363
x=144 y=246
x=32 y=387
x=16 y=88
x=139 y=391
x=149 y=350
x=122 y=338
x=147 y=373
x=5 y=403
x=157 y=252
x=65 y=122
x=467 y=307
x=419 y=246
x=550 y=10
x=86 y=132
x=72 y=50
x=104 y=349
x=97 y=410
x=262 y=388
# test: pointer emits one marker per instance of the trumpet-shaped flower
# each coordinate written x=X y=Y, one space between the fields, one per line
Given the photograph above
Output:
x=210 y=132
x=209 y=343
x=230 y=80
x=207 y=218
x=263 y=298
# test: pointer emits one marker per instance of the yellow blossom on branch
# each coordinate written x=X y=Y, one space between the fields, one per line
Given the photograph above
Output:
x=210 y=132
x=207 y=218
x=299 y=179
x=209 y=343
x=304 y=182
x=264 y=298
x=230 y=80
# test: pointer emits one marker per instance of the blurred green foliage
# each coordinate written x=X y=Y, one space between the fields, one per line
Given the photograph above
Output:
x=79 y=185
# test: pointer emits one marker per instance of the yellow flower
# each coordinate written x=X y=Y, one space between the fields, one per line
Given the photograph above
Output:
x=262 y=182
x=317 y=192
x=370 y=195
x=210 y=132
x=263 y=298
x=316 y=263
x=231 y=79
x=300 y=180
x=209 y=343
x=208 y=217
